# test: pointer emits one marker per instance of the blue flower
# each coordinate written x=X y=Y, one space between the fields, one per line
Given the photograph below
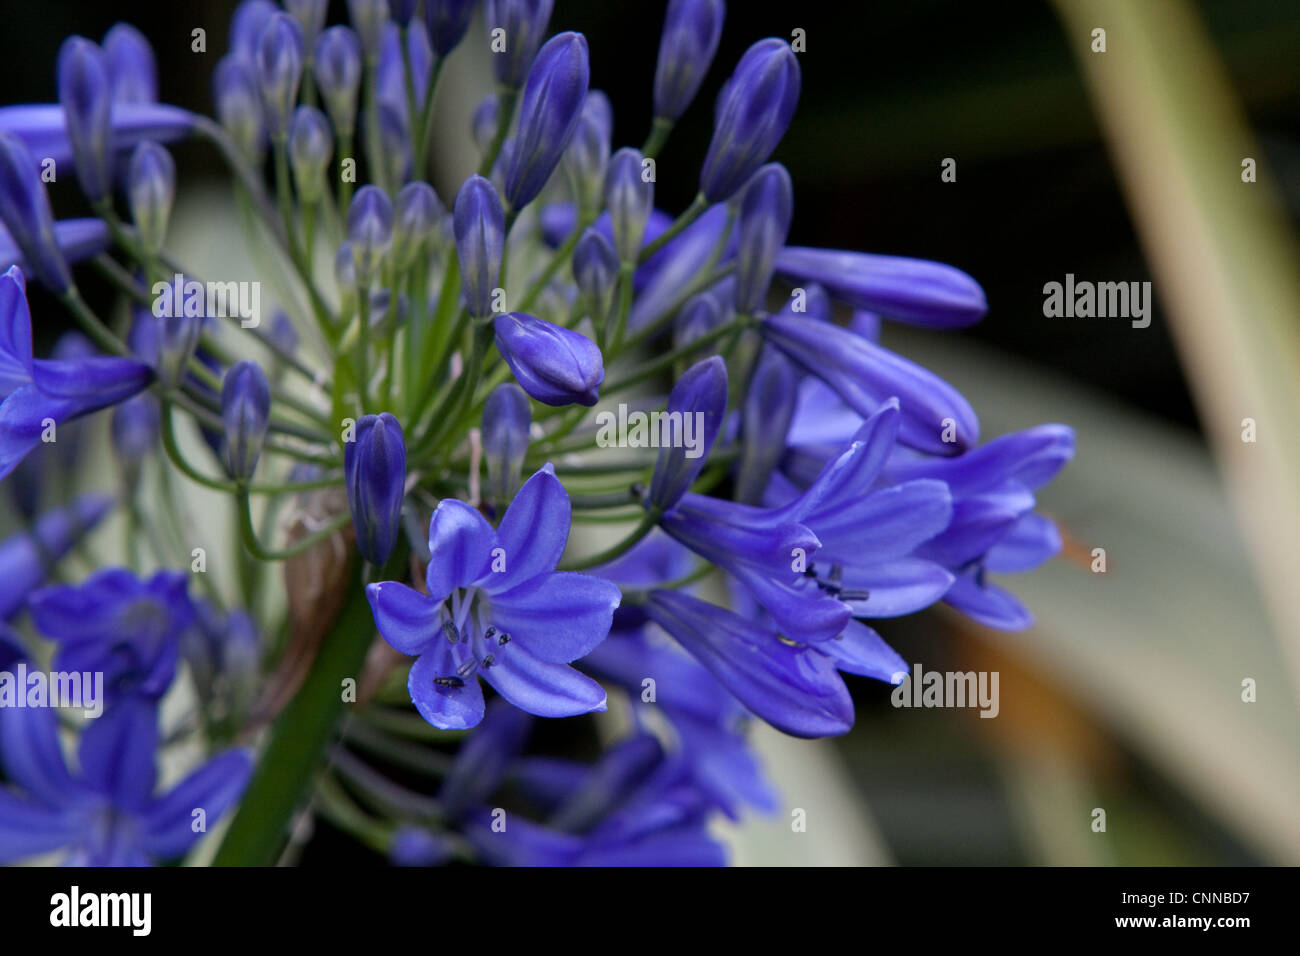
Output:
x=447 y=21
x=110 y=813
x=554 y=365
x=548 y=115
x=523 y=25
x=496 y=608
x=245 y=411
x=120 y=625
x=39 y=394
x=374 y=465
x=692 y=29
x=26 y=557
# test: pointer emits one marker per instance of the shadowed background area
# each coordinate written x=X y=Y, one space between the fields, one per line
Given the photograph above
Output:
x=1126 y=696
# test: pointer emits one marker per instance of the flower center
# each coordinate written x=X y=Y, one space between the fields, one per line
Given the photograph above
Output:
x=474 y=642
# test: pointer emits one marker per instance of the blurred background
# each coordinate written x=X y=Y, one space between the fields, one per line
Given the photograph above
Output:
x=1121 y=166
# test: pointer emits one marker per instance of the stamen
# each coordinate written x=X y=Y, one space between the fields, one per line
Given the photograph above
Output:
x=448 y=682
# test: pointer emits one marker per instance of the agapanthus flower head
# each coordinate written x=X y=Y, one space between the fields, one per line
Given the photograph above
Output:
x=702 y=394
x=311 y=145
x=374 y=464
x=507 y=419
x=753 y=111
x=548 y=114
x=555 y=365
x=370 y=231
x=151 y=189
x=245 y=410
x=132 y=69
x=523 y=25
x=87 y=101
x=25 y=210
x=692 y=29
x=629 y=197
x=338 y=75
x=766 y=207
x=239 y=104
x=479 y=222
x=279 y=71
x=446 y=22
x=495 y=607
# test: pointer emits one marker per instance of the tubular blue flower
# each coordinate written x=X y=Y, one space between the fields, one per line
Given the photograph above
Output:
x=754 y=109
x=279 y=71
x=698 y=316
x=135 y=429
x=282 y=333
x=483 y=123
x=26 y=557
x=370 y=232
x=417 y=212
x=246 y=26
x=151 y=188
x=115 y=623
x=109 y=814
x=416 y=846
x=507 y=418
x=87 y=102
x=554 y=365
x=629 y=197
x=374 y=466
x=402 y=11
x=178 y=341
x=43 y=127
x=25 y=209
x=495 y=607
x=245 y=411
x=479 y=223
x=765 y=211
x=396 y=155
x=692 y=29
x=794 y=688
x=595 y=270
x=310 y=15
x=588 y=154
x=523 y=23
x=369 y=18
x=338 y=76
x=936 y=418
x=390 y=75
x=915 y=291
x=132 y=69
x=659 y=280
x=548 y=115
x=765 y=422
x=76 y=239
x=40 y=394
x=481 y=764
x=311 y=145
x=701 y=393
x=446 y=22
x=239 y=105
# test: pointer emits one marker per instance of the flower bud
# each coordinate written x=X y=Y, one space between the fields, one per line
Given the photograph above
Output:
x=769 y=408
x=595 y=270
x=239 y=105
x=692 y=29
x=548 y=114
x=311 y=144
x=369 y=18
x=370 y=231
x=279 y=70
x=246 y=25
x=753 y=111
x=132 y=69
x=765 y=211
x=507 y=418
x=587 y=157
x=629 y=197
x=698 y=316
x=150 y=188
x=702 y=390
x=345 y=275
x=135 y=429
x=480 y=227
x=395 y=143
x=245 y=410
x=178 y=337
x=553 y=364
x=483 y=125
x=447 y=21
x=86 y=99
x=523 y=23
x=402 y=11
x=416 y=215
x=374 y=465
x=25 y=211
x=338 y=76
x=282 y=333
x=390 y=73
x=310 y=16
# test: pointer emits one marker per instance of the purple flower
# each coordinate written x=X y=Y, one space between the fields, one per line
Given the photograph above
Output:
x=754 y=109
x=447 y=21
x=74 y=239
x=110 y=813
x=554 y=365
x=29 y=221
x=41 y=394
x=245 y=410
x=523 y=25
x=417 y=213
x=43 y=127
x=765 y=211
x=311 y=145
x=496 y=608
x=338 y=75
x=374 y=465
x=629 y=198
x=26 y=557
x=480 y=226
x=369 y=17
x=692 y=29
x=132 y=69
x=239 y=104
x=279 y=70
x=310 y=15
x=370 y=231
x=548 y=115
x=765 y=420
x=86 y=99
x=915 y=291
x=700 y=393
x=506 y=421
x=151 y=187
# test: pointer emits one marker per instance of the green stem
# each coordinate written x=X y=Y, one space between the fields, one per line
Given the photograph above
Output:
x=659 y=131
x=693 y=212
x=646 y=525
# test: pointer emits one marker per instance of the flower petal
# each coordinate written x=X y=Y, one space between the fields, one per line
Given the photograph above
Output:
x=460 y=546
x=533 y=532
x=446 y=707
x=543 y=688
x=169 y=822
x=559 y=617
x=860 y=650
x=406 y=619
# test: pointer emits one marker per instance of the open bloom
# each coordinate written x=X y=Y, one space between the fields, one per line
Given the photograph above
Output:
x=497 y=607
